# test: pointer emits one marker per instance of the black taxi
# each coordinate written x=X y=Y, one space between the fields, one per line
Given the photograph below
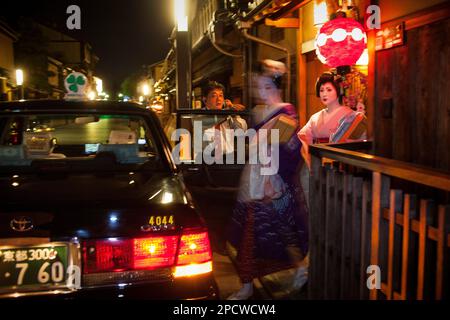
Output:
x=93 y=205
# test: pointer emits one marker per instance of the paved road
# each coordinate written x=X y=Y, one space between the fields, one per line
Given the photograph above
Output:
x=217 y=206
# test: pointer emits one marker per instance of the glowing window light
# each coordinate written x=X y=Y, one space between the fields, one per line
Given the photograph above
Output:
x=19 y=77
x=320 y=13
x=145 y=89
x=98 y=85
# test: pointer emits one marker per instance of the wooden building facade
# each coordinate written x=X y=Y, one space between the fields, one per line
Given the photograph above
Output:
x=412 y=92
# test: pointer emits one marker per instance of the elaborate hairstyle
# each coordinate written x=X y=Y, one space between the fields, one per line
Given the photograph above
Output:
x=334 y=79
x=210 y=86
x=272 y=69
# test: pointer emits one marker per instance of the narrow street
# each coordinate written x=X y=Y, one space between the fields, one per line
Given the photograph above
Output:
x=217 y=208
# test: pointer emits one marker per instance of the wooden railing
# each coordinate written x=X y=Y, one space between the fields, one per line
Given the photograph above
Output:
x=368 y=237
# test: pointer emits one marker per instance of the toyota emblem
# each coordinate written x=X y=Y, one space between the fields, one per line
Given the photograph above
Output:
x=21 y=224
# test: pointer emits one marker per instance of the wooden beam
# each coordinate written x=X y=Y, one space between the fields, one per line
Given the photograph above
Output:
x=361 y=192
x=441 y=248
x=397 y=296
x=409 y=203
x=394 y=205
x=283 y=23
x=291 y=7
x=301 y=76
x=399 y=169
x=314 y=231
x=432 y=232
x=425 y=207
x=371 y=73
x=329 y=240
x=365 y=232
x=422 y=17
x=380 y=187
x=384 y=288
x=346 y=234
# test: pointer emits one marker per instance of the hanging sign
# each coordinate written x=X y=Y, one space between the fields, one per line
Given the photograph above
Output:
x=390 y=36
x=76 y=84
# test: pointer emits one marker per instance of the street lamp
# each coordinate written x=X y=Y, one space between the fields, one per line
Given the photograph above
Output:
x=19 y=82
x=98 y=85
x=145 y=89
x=91 y=95
x=180 y=15
x=183 y=56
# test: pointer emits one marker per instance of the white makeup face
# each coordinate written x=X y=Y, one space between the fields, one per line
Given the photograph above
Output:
x=328 y=94
x=214 y=100
x=267 y=91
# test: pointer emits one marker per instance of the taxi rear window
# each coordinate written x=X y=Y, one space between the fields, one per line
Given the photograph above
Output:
x=24 y=138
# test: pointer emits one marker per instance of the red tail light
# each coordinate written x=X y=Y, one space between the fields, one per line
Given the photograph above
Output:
x=155 y=252
x=107 y=255
x=194 y=248
x=120 y=255
x=115 y=255
x=194 y=255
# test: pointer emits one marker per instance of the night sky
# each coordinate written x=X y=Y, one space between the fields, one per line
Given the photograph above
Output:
x=125 y=34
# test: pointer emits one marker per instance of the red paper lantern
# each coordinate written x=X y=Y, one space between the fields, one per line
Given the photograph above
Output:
x=340 y=42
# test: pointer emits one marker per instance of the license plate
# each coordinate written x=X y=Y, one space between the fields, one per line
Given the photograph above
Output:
x=34 y=267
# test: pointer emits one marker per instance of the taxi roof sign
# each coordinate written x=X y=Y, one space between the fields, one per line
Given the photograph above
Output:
x=76 y=84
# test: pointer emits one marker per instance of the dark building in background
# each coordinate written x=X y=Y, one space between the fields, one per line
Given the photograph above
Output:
x=7 y=67
x=45 y=54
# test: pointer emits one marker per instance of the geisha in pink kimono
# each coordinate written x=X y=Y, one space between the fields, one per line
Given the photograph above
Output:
x=323 y=124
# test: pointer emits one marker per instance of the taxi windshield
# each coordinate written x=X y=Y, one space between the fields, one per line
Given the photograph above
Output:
x=126 y=139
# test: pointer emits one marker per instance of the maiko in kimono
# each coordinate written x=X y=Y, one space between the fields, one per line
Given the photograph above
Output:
x=269 y=226
x=323 y=124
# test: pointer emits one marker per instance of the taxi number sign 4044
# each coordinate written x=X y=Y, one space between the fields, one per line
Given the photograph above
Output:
x=161 y=220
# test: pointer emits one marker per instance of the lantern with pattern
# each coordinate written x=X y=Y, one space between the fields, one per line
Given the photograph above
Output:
x=340 y=42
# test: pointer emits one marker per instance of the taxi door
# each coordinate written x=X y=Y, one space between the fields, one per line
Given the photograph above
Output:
x=204 y=164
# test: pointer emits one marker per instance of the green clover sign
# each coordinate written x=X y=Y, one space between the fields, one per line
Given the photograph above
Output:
x=75 y=80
